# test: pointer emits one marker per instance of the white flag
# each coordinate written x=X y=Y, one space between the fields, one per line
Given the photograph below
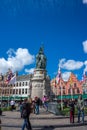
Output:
x=13 y=80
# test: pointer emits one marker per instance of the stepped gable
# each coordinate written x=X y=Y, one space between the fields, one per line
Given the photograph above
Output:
x=72 y=78
x=24 y=77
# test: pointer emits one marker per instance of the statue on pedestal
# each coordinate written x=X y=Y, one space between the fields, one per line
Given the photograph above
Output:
x=41 y=59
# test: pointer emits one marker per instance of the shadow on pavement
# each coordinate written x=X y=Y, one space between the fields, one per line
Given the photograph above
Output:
x=48 y=128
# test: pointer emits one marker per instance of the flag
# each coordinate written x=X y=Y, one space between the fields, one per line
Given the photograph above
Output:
x=55 y=84
x=9 y=76
x=12 y=80
x=58 y=77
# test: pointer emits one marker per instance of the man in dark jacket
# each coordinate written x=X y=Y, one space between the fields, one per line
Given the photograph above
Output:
x=26 y=106
x=72 y=110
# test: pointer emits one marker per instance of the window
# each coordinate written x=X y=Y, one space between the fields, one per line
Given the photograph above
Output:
x=13 y=91
x=10 y=91
x=78 y=90
x=19 y=91
x=16 y=84
x=22 y=91
x=20 y=84
x=63 y=87
x=26 y=91
x=16 y=91
x=75 y=85
x=23 y=83
x=26 y=83
x=7 y=91
x=63 y=92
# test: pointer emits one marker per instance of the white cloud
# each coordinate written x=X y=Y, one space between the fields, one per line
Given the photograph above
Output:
x=84 y=1
x=66 y=76
x=85 y=69
x=70 y=64
x=16 y=60
x=85 y=46
x=30 y=71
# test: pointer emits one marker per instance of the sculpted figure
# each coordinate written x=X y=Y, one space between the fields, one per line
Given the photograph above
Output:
x=41 y=59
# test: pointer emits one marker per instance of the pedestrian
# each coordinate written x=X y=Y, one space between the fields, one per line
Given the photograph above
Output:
x=45 y=102
x=72 y=110
x=80 y=108
x=26 y=110
x=37 y=105
x=12 y=104
x=33 y=106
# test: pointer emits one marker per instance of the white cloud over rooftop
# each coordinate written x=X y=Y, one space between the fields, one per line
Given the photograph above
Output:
x=70 y=64
x=30 y=71
x=16 y=60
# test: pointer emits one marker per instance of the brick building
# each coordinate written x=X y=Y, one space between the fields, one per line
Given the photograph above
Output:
x=71 y=87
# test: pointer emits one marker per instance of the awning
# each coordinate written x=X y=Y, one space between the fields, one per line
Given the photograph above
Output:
x=68 y=96
x=10 y=98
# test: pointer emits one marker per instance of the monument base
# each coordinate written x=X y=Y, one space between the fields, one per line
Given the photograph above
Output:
x=40 y=84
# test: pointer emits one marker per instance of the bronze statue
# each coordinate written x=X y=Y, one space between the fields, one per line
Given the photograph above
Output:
x=41 y=59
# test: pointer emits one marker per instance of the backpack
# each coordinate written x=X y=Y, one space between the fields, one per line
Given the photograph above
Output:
x=24 y=111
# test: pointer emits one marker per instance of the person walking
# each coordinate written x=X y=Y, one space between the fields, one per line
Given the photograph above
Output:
x=72 y=110
x=45 y=102
x=12 y=104
x=37 y=105
x=26 y=110
x=80 y=108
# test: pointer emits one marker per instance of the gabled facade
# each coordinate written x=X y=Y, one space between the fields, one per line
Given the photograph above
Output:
x=71 y=87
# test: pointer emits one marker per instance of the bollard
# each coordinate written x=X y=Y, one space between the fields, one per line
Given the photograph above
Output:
x=0 y=124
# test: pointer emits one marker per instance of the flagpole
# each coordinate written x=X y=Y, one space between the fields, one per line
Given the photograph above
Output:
x=61 y=95
x=1 y=94
x=71 y=92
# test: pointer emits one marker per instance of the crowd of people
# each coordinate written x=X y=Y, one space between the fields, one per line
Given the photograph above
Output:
x=31 y=106
x=28 y=106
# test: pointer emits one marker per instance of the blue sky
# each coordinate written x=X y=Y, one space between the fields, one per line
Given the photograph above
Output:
x=60 y=25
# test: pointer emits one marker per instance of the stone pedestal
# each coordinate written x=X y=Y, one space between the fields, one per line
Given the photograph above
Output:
x=40 y=84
